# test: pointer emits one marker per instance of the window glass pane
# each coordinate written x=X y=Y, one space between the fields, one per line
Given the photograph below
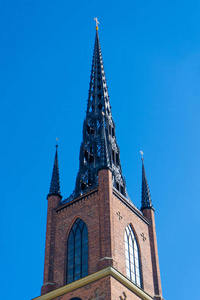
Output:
x=85 y=256
x=137 y=272
x=132 y=268
x=77 y=269
x=78 y=276
x=84 y=267
x=84 y=231
x=131 y=234
x=126 y=246
x=74 y=227
x=85 y=274
x=77 y=244
x=77 y=251
x=70 y=256
x=136 y=263
x=127 y=263
x=81 y=225
x=130 y=243
x=85 y=247
x=135 y=245
x=70 y=279
x=131 y=250
x=78 y=235
x=138 y=280
x=70 y=264
x=128 y=273
x=77 y=260
x=133 y=276
x=84 y=243
x=132 y=256
x=70 y=272
x=71 y=238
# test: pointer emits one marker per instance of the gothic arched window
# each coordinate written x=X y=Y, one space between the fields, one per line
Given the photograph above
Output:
x=132 y=256
x=77 y=251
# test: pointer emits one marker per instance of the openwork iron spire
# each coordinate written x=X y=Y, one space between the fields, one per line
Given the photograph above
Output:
x=55 y=181
x=99 y=147
x=146 y=197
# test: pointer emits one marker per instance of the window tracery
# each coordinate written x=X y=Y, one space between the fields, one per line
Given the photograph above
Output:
x=132 y=257
x=77 y=251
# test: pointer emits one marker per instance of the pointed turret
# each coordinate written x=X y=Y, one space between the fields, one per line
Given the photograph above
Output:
x=99 y=147
x=148 y=211
x=55 y=181
x=146 y=197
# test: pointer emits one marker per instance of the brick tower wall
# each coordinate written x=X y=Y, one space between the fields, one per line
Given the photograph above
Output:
x=106 y=214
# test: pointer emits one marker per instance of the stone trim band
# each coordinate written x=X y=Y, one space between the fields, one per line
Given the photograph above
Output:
x=93 y=277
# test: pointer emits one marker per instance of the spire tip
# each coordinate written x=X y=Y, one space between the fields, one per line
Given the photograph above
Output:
x=142 y=155
x=146 y=197
x=97 y=22
x=55 y=181
x=56 y=142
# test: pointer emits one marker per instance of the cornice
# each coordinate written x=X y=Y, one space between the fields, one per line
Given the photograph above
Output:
x=77 y=199
x=110 y=271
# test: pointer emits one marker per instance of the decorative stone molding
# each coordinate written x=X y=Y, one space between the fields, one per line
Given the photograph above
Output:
x=118 y=213
x=124 y=296
x=110 y=271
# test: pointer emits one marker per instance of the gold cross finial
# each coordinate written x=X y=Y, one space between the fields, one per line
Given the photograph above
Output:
x=97 y=22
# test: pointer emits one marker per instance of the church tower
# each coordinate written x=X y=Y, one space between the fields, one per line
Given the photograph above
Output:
x=98 y=244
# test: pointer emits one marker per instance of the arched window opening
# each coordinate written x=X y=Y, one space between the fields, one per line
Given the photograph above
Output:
x=132 y=257
x=77 y=251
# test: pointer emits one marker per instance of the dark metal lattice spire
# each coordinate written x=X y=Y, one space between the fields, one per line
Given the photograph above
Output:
x=105 y=162
x=99 y=147
x=55 y=181
x=146 y=197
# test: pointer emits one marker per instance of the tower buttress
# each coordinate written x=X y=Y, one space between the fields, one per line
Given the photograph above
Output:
x=54 y=197
x=148 y=211
x=106 y=227
x=55 y=179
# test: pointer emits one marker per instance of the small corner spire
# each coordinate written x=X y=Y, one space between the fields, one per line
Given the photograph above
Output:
x=146 y=197
x=97 y=22
x=55 y=181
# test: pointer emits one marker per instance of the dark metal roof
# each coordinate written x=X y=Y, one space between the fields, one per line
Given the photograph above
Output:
x=146 y=197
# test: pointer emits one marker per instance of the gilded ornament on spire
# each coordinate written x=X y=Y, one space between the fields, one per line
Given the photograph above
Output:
x=97 y=22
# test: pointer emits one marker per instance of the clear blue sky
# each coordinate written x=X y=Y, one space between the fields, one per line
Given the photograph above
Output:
x=151 y=52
